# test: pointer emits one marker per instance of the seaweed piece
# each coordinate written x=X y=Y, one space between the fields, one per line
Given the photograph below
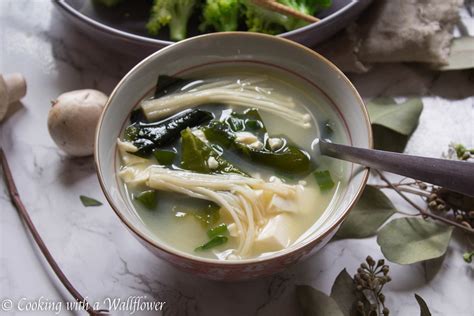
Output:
x=287 y=159
x=149 y=136
x=195 y=156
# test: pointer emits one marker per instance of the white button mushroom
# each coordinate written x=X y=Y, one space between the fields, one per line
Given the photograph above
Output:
x=12 y=89
x=73 y=118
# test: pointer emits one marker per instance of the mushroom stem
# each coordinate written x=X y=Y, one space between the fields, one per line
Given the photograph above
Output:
x=16 y=86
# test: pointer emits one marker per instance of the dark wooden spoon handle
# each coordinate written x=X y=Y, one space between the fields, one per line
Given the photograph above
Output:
x=451 y=174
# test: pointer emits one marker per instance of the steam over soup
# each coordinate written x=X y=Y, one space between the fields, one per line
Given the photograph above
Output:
x=221 y=166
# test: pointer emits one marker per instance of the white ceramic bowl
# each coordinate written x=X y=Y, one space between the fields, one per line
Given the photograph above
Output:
x=219 y=49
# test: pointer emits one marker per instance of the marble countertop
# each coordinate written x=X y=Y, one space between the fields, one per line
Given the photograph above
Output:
x=103 y=260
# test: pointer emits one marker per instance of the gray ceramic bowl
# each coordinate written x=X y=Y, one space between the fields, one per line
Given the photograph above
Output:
x=128 y=33
x=212 y=51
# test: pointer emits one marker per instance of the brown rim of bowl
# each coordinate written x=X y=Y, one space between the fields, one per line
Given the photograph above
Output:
x=67 y=8
x=278 y=255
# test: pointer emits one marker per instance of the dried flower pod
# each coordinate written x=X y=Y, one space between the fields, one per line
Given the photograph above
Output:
x=373 y=312
x=422 y=185
x=370 y=261
x=381 y=298
x=432 y=204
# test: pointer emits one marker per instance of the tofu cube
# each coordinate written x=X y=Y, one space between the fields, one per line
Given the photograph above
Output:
x=279 y=204
x=275 y=235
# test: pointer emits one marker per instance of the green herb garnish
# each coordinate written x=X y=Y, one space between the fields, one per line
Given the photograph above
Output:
x=218 y=230
x=214 y=242
x=87 y=201
x=147 y=198
x=324 y=180
x=207 y=214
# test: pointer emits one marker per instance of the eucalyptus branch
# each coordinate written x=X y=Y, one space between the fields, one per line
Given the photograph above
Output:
x=15 y=196
x=404 y=189
x=422 y=211
x=369 y=280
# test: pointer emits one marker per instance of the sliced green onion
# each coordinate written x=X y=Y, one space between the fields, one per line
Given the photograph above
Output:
x=207 y=213
x=324 y=180
x=147 y=198
x=218 y=230
x=214 y=242
x=164 y=157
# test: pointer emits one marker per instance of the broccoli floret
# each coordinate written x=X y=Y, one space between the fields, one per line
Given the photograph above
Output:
x=222 y=15
x=306 y=6
x=174 y=13
x=262 y=20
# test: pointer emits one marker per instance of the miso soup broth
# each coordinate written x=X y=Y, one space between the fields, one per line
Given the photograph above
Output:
x=219 y=164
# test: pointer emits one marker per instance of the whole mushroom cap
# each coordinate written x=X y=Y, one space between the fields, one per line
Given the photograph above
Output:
x=12 y=89
x=73 y=118
x=3 y=98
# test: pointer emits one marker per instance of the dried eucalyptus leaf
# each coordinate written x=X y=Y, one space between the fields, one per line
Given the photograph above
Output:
x=372 y=210
x=343 y=292
x=87 y=201
x=401 y=118
x=424 y=310
x=393 y=123
x=389 y=140
x=409 y=240
x=315 y=303
x=461 y=55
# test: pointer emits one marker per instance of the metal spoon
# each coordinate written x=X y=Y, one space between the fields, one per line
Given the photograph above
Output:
x=450 y=174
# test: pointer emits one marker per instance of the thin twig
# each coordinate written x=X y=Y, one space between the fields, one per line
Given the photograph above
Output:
x=39 y=241
x=407 y=214
x=283 y=9
x=403 y=189
x=405 y=179
x=421 y=210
